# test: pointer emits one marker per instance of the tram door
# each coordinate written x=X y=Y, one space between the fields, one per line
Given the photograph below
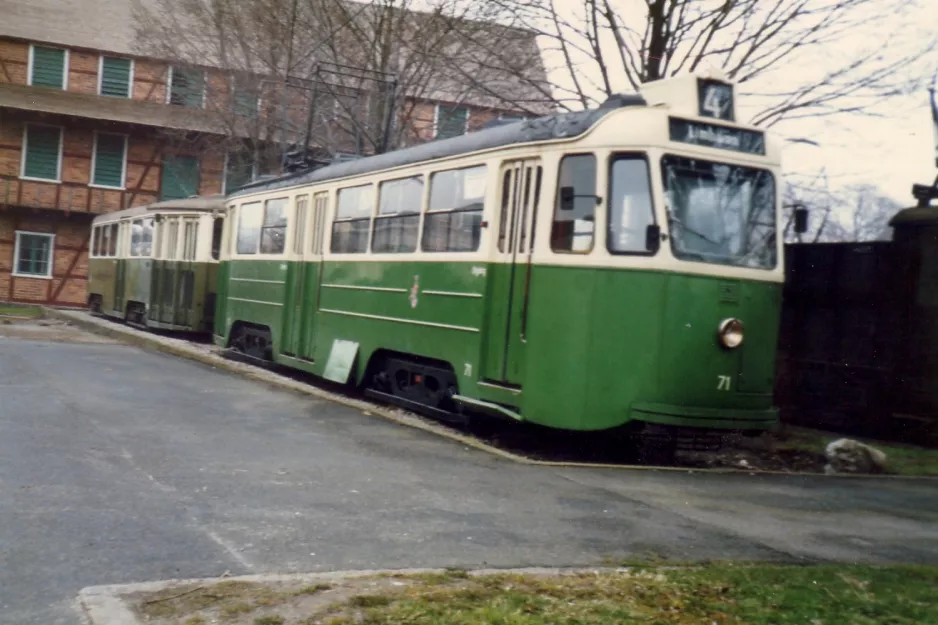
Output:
x=509 y=282
x=120 y=270
x=303 y=277
x=296 y=294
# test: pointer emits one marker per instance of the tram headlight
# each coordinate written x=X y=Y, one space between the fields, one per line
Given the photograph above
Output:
x=730 y=333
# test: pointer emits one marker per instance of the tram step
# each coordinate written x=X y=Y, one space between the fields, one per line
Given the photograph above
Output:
x=429 y=411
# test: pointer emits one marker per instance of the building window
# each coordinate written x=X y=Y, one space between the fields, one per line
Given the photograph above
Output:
x=239 y=169
x=33 y=254
x=42 y=152
x=186 y=87
x=179 y=178
x=115 y=77
x=47 y=67
x=109 y=160
x=245 y=96
x=451 y=121
x=512 y=117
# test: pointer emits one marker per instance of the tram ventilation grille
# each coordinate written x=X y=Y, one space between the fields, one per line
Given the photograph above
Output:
x=729 y=291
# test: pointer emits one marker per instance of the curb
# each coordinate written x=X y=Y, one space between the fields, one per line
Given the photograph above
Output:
x=182 y=349
x=105 y=605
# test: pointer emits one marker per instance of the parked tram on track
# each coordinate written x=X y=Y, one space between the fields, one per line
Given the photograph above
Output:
x=157 y=266
x=580 y=271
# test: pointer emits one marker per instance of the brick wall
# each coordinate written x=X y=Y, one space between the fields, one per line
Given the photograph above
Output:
x=69 y=258
x=14 y=61
x=150 y=80
x=75 y=194
x=82 y=72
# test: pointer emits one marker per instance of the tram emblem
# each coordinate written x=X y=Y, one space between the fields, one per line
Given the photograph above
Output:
x=413 y=292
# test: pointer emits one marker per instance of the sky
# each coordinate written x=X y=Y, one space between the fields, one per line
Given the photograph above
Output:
x=892 y=148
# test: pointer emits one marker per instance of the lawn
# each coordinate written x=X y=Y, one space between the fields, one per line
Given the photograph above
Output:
x=901 y=459
x=32 y=312
x=724 y=594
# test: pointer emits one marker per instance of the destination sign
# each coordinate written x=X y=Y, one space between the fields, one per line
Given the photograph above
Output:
x=714 y=136
x=715 y=99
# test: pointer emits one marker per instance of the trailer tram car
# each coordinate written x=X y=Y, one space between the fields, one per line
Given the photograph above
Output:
x=156 y=266
x=580 y=271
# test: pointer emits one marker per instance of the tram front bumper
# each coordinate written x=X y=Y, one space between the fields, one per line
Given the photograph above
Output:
x=714 y=418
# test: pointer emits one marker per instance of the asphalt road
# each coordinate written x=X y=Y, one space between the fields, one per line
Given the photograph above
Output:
x=119 y=465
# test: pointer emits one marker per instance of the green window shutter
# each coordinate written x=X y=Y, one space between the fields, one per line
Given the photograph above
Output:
x=109 y=161
x=245 y=104
x=35 y=254
x=238 y=171
x=43 y=147
x=48 y=68
x=180 y=178
x=451 y=121
x=115 y=77
x=187 y=87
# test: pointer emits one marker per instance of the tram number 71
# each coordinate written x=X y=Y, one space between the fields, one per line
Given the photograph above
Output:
x=723 y=382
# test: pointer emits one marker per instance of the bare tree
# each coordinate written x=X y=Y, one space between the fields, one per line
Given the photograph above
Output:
x=853 y=212
x=345 y=76
x=603 y=46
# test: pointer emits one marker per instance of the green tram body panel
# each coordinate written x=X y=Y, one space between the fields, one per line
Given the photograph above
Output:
x=601 y=347
x=177 y=295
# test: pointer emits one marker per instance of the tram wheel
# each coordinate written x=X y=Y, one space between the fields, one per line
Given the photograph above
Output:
x=252 y=341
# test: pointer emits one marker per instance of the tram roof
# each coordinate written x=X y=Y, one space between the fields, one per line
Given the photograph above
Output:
x=201 y=203
x=556 y=126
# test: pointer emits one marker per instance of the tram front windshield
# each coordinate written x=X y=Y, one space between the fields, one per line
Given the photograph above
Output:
x=719 y=213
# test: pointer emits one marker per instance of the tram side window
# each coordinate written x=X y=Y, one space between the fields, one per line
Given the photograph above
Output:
x=575 y=209
x=250 y=218
x=453 y=221
x=190 y=238
x=218 y=225
x=352 y=220
x=299 y=233
x=141 y=237
x=98 y=233
x=112 y=240
x=398 y=219
x=274 y=230
x=630 y=209
x=172 y=238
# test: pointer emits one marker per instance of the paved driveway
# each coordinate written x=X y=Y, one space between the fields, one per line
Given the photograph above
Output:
x=119 y=465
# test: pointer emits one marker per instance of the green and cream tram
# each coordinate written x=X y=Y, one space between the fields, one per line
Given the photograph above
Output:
x=579 y=271
x=157 y=265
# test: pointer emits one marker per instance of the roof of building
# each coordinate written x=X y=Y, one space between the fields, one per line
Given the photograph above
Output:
x=129 y=27
x=557 y=126
x=105 y=25
x=122 y=110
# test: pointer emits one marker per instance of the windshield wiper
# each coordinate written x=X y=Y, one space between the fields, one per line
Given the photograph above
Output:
x=672 y=219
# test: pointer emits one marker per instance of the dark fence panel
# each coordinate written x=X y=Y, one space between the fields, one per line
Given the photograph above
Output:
x=837 y=344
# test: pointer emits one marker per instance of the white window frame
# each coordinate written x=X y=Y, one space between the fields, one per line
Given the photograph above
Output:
x=94 y=160
x=65 y=65
x=436 y=118
x=169 y=85
x=130 y=82
x=58 y=170
x=16 y=255
x=519 y=117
